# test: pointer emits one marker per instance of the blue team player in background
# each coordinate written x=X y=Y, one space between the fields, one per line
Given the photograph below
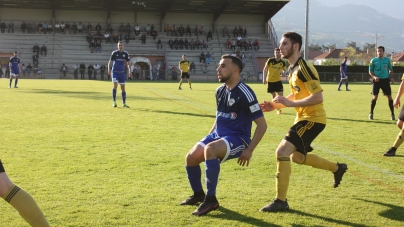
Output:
x=14 y=66
x=229 y=138
x=119 y=59
x=344 y=77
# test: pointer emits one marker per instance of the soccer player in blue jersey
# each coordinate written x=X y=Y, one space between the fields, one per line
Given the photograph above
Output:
x=14 y=66
x=116 y=69
x=379 y=70
x=21 y=201
x=229 y=138
x=344 y=77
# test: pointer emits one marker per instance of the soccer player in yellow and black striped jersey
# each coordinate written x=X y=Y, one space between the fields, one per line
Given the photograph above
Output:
x=184 y=65
x=307 y=99
x=274 y=68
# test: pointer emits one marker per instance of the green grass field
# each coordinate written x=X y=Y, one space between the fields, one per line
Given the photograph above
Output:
x=89 y=164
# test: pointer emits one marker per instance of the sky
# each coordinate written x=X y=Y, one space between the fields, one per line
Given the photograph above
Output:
x=393 y=8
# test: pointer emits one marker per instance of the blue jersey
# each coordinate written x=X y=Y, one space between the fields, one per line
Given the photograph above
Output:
x=14 y=61
x=380 y=67
x=119 y=59
x=236 y=109
x=344 y=67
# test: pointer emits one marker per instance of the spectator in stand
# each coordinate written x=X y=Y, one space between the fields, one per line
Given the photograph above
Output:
x=11 y=27
x=154 y=34
x=120 y=37
x=197 y=43
x=74 y=28
x=173 y=31
x=57 y=28
x=7 y=74
x=167 y=29
x=137 y=29
x=143 y=38
x=34 y=28
x=154 y=72
x=80 y=28
x=102 y=71
x=249 y=45
x=136 y=69
x=174 y=73
x=240 y=30
x=98 y=27
x=89 y=27
x=204 y=67
x=107 y=38
x=92 y=46
x=159 y=44
x=181 y=30
x=90 y=70
x=196 y=31
x=67 y=28
x=114 y=39
x=23 y=26
x=243 y=59
x=29 y=68
x=204 y=45
x=127 y=28
x=147 y=29
x=44 y=50
x=63 y=69
x=62 y=27
x=244 y=44
x=2 y=27
x=96 y=68
x=235 y=32
x=1 y=71
x=171 y=43
x=226 y=32
x=89 y=37
x=35 y=59
x=201 y=30
x=209 y=36
x=76 y=71
x=186 y=43
x=127 y=37
x=208 y=58
x=188 y=31
x=181 y=43
x=176 y=43
x=228 y=44
x=23 y=69
x=36 y=48
x=192 y=67
x=202 y=57
x=40 y=27
x=256 y=45
x=151 y=28
x=238 y=53
x=82 y=68
x=233 y=45
x=98 y=46
x=245 y=33
x=192 y=44
x=132 y=36
x=109 y=28
x=121 y=28
x=45 y=27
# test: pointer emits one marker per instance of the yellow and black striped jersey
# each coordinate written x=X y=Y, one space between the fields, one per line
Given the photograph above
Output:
x=304 y=81
x=184 y=65
x=274 y=69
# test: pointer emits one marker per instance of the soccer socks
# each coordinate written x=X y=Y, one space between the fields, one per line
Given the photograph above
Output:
x=391 y=107
x=320 y=163
x=189 y=82
x=372 y=105
x=283 y=172
x=180 y=84
x=16 y=81
x=399 y=139
x=124 y=97
x=339 y=85
x=194 y=177
x=212 y=175
x=26 y=206
x=11 y=81
x=346 y=85
x=113 y=95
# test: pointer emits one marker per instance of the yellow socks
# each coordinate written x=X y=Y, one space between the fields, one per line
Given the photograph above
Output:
x=399 y=139
x=320 y=163
x=283 y=172
x=26 y=206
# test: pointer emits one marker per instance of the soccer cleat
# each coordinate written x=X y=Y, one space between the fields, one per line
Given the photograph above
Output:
x=179 y=88
x=125 y=106
x=342 y=167
x=114 y=104
x=15 y=87
x=339 y=89
x=192 y=200
x=390 y=152
x=348 y=89
x=206 y=206
x=190 y=88
x=370 y=116
x=9 y=86
x=393 y=118
x=278 y=111
x=276 y=205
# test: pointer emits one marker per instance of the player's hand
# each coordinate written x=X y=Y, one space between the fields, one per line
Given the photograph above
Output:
x=109 y=72
x=396 y=103
x=264 y=82
x=283 y=100
x=245 y=157
x=376 y=79
x=267 y=106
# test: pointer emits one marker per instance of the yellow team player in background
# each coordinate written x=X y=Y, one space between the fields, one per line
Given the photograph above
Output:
x=184 y=65
x=274 y=68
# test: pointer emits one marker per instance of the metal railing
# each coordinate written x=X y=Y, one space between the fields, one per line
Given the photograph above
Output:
x=272 y=37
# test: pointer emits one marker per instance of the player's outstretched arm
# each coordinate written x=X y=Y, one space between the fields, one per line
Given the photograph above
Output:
x=260 y=130
x=400 y=92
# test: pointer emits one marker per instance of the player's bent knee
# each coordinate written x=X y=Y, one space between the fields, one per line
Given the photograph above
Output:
x=298 y=158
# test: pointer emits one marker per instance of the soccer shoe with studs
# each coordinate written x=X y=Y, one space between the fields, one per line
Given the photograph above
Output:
x=125 y=106
x=370 y=116
x=192 y=200
x=206 y=206
x=276 y=205
x=393 y=118
x=342 y=167
x=114 y=104
x=391 y=152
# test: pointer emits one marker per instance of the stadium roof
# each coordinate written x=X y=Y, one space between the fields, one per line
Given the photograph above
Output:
x=216 y=7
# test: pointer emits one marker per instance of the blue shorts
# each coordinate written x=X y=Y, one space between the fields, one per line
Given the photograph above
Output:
x=118 y=77
x=235 y=144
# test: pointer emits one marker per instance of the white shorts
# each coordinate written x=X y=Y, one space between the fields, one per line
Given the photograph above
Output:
x=13 y=74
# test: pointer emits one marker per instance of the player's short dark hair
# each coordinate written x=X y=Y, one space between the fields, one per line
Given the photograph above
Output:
x=235 y=60
x=381 y=47
x=294 y=38
x=277 y=49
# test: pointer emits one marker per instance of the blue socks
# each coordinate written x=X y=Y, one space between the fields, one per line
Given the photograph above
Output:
x=194 y=177
x=212 y=175
x=113 y=95
x=123 y=97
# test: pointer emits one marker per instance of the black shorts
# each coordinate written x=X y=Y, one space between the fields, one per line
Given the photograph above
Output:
x=302 y=134
x=383 y=84
x=275 y=87
x=401 y=115
x=184 y=75
x=1 y=167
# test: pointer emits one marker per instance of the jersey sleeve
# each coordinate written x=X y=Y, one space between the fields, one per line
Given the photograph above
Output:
x=112 y=58
x=250 y=102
